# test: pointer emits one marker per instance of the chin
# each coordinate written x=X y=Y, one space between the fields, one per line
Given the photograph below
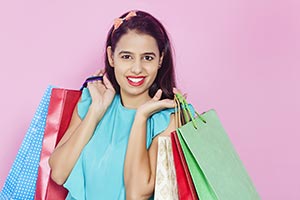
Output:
x=136 y=92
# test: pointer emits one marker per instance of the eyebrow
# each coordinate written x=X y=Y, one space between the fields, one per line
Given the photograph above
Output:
x=146 y=53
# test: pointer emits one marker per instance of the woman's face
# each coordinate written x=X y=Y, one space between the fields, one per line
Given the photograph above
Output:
x=136 y=62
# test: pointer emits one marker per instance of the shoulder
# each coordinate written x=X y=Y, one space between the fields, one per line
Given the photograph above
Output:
x=160 y=121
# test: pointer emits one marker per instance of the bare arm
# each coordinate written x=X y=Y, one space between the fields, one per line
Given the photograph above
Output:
x=69 y=148
x=140 y=163
x=79 y=132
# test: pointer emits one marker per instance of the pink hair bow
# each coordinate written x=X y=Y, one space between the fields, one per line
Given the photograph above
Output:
x=119 y=21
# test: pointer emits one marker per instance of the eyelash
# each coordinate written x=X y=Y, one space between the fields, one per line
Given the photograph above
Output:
x=126 y=57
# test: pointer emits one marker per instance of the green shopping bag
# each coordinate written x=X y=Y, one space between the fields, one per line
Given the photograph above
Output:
x=215 y=167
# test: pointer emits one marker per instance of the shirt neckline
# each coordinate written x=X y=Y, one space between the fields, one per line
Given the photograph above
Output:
x=123 y=107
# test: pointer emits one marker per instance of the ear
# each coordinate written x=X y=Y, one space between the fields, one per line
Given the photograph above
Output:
x=110 y=56
x=161 y=59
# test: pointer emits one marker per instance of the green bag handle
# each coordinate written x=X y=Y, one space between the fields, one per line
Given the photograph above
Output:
x=186 y=110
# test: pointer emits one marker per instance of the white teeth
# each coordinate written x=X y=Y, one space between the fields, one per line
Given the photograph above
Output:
x=135 y=80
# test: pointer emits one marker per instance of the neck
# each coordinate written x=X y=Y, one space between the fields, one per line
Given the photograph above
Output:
x=134 y=101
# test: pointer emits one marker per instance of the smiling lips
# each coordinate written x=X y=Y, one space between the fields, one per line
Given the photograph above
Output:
x=136 y=80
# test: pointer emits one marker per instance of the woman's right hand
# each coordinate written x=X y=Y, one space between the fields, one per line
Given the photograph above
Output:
x=102 y=93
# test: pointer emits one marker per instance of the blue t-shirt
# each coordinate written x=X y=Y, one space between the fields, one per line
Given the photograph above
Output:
x=98 y=172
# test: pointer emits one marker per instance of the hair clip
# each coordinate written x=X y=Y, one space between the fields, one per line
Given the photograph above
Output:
x=119 y=21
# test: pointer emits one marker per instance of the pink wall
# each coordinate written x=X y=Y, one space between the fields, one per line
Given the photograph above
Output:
x=240 y=57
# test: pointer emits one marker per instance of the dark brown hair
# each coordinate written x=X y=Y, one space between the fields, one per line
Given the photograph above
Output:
x=146 y=24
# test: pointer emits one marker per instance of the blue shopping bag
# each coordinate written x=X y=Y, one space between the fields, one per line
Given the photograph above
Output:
x=21 y=180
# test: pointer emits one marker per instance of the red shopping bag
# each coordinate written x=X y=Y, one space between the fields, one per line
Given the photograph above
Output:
x=186 y=189
x=61 y=106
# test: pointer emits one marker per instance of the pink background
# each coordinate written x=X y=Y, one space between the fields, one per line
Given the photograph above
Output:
x=240 y=57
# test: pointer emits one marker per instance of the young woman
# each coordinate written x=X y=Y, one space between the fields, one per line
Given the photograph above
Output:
x=109 y=150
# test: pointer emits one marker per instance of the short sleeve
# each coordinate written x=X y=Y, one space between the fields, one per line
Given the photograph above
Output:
x=84 y=103
x=75 y=183
x=160 y=121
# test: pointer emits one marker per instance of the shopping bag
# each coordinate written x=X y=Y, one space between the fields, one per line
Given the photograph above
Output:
x=186 y=188
x=165 y=180
x=21 y=180
x=215 y=167
x=61 y=106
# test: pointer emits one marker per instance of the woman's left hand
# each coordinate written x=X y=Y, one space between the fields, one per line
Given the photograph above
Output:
x=154 y=105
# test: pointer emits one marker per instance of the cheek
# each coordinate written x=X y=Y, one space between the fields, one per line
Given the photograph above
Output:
x=152 y=68
x=118 y=72
x=122 y=65
x=153 y=74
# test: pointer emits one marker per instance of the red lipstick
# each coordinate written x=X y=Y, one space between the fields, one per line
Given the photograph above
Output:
x=135 y=80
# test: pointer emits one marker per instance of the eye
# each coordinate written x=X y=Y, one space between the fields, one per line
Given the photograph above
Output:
x=148 y=58
x=126 y=57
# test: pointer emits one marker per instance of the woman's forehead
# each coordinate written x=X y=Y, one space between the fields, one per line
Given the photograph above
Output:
x=136 y=43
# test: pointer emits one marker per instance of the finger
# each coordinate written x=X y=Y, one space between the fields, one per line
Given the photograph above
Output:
x=95 y=82
x=97 y=72
x=185 y=95
x=101 y=87
x=96 y=86
x=89 y=84
x=92 y=83
x=107 y=83
x=101 y=72
x=169 y=103
x=176 y=91
x=157 y=95
x=99 y=84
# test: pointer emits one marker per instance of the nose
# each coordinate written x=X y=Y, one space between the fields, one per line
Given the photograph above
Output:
x=136 y=67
